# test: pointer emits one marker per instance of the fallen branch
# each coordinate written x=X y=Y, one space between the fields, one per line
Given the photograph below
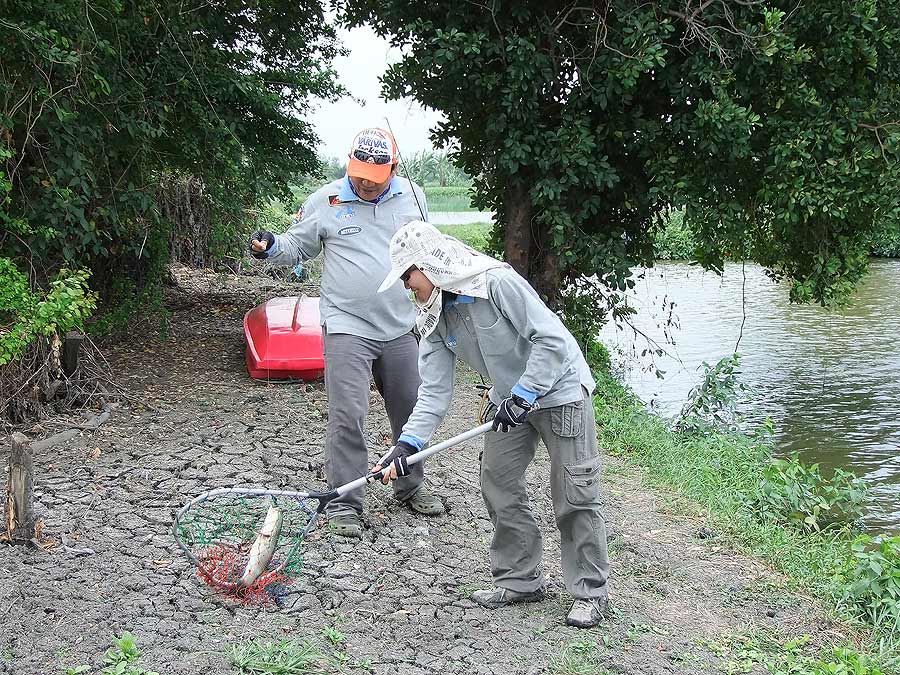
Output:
x=69 y=434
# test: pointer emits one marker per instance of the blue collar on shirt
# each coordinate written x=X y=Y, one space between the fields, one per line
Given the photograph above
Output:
x=347 y=194
x=461 y=300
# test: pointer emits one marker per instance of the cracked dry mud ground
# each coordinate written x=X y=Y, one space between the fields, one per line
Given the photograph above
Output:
x=197 y=421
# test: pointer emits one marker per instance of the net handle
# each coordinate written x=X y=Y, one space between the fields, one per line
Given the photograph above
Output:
x=322 y=497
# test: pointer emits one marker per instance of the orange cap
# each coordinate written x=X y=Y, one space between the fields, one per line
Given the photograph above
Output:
x=372 y=155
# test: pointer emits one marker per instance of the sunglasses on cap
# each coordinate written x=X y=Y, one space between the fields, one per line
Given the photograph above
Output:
x=369 y=158
x=405 y=276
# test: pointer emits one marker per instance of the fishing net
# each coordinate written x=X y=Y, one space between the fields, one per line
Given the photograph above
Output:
x=247 y=544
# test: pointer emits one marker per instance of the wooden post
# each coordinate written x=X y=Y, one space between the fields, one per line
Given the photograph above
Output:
x=19 y=491
x=71 y=347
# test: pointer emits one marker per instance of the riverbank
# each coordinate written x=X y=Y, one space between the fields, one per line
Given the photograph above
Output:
x=828 y=379
x=777 y=512
x=683 y=599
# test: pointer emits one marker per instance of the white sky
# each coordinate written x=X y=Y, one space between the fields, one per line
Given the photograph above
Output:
x=337 y=123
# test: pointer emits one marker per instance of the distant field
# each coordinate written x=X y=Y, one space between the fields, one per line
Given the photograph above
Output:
x=453 y=198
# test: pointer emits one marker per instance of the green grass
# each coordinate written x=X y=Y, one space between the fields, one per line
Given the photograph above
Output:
x=580 y=657
x=720 y=474
x=452 y=198
x=278 y=657
x=325 y=656
x=742 y=652
x=475 y=235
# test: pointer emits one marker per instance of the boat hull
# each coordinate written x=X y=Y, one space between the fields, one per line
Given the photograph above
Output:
x=284 y=339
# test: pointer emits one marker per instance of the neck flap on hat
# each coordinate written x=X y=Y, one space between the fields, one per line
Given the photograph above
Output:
x=452 y=266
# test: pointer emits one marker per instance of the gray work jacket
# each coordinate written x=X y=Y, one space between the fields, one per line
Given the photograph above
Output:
x=355 y=236
x=512 y=338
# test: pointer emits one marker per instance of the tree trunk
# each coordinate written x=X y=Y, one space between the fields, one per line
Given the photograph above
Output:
x=518 y=228
x=526 y=247
x=19 y=492
x=546 y=279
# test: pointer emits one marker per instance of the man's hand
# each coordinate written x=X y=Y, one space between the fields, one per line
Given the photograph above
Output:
x=260 y=242
x=511 y=413
x=395 y=459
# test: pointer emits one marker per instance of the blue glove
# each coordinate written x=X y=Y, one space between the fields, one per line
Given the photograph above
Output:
x=511 y=413
x=261 y=235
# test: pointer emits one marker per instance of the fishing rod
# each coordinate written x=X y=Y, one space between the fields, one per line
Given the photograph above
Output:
x=406 y=171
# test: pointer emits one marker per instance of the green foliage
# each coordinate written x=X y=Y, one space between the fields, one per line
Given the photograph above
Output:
x=739 y=653
x=579 y=657
x=282 y=657
x=712 y=404
x=454 y=198
x=120 y=659
x=597 y=356
x=273 y=216
x=886 y=241
x=772 y=125
x=873 y=581
x=430 y=168
x=27 y=316
x=673 y=238
x=91 y=122
x=798 y=495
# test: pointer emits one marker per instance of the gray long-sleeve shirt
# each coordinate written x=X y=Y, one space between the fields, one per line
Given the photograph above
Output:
x=355 y=236
x=512 y=338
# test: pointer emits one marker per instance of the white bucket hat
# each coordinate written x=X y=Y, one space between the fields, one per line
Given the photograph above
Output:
x=447 y=263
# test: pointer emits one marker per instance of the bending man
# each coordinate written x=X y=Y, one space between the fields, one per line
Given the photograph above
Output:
x=480 y=310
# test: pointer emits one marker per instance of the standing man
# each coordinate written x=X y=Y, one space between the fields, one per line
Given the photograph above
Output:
x=366 y=334
x=480 y=310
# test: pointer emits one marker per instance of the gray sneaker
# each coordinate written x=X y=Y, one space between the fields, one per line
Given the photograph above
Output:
x=495 y=598
x=587 y=613
x=427 y=503
x=345 y=525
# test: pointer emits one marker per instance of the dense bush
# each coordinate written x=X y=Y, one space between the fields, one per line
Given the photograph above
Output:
x=795 y=494
x=672 y=238
x=452 y=198
x=886 y=243
x=92 y=124
x=873 y=581
x=712 y=404
x=476 y=235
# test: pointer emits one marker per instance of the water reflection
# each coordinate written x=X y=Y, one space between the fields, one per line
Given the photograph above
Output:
x=829 y=379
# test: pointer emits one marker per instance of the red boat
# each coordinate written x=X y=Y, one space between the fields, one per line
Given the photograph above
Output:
x=284 y=339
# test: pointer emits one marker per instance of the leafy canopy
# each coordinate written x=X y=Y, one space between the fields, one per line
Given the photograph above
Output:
x=99 y=99
x=774 y=125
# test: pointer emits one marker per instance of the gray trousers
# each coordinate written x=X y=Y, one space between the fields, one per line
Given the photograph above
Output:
x=349 y=363
x=569 y=432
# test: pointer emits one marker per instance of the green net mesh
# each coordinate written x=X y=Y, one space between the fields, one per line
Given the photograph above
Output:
x=220 y=533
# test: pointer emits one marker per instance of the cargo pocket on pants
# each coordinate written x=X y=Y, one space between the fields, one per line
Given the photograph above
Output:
x=567 y=421
x=583 y=483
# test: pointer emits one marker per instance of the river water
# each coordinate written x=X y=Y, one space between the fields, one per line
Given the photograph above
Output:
x=459 y=217
x=830 y=380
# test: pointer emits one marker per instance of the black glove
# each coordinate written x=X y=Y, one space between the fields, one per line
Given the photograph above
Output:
x=511 y=413
x=261 y=235
x=397 y=456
